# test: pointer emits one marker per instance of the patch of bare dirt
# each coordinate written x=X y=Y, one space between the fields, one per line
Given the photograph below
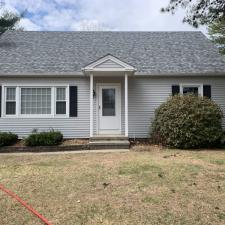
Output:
x=19 y=143
x=66 y=142
x=146 y=147
x=69 y=142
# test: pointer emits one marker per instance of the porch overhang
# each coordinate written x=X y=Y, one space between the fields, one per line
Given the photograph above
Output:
x=109 y=66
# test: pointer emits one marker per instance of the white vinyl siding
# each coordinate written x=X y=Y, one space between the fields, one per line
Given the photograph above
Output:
x=71 y=127
x=145 y=94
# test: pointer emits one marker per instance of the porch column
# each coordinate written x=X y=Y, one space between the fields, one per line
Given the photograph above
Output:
x=126 y=104
x=91 y=105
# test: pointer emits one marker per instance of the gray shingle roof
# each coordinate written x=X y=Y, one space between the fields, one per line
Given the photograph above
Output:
x=68 y=52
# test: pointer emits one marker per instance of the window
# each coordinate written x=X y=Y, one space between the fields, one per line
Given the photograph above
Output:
x=191 y=89
x=61 y=101
x=40 y=101
x=10 y=101
x=108 y=102
x=35 y=101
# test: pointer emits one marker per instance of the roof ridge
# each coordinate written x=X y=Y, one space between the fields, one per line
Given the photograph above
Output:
x=113 y=31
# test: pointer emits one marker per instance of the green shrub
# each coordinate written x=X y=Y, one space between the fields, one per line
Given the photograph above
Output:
x=7 y=138
x=44 y=138
x=223 y=140
x=188 y=122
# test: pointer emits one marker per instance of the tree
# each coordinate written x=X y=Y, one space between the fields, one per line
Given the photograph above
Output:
x=8 y=21
x=198 y=12
x=217 y=34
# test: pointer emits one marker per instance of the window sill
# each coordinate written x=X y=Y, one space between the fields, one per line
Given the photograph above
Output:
x=35 y=116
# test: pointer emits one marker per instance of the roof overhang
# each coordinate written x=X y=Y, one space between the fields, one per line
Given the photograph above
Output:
x=205 y=74
x=137 y=74
x=41 y=74
x=108 y=63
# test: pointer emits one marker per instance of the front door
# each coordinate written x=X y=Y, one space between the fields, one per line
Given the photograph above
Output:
x=109 y=109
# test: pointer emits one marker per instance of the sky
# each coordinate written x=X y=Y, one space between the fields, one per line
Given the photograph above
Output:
x=115 y=15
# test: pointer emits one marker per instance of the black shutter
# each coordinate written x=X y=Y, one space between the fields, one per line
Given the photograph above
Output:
x=175 y=89
x=207 y=91
x=0 y=101
x=73 y=101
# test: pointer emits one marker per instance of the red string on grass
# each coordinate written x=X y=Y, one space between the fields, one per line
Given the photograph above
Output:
x=13 y=195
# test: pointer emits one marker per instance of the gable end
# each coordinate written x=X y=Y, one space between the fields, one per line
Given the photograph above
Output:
x=109 y=64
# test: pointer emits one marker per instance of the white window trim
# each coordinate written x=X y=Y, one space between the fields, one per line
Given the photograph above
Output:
x=18 y=101
x=199 y=86
x=4 y=95
x=66 y=100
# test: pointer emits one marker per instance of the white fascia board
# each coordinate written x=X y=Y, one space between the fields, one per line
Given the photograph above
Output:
x=74 y=74
x=178 y=74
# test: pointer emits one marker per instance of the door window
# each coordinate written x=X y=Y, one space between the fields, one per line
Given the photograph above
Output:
x=108 y=102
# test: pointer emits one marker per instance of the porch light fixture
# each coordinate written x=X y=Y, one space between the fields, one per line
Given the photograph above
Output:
x=94 y=93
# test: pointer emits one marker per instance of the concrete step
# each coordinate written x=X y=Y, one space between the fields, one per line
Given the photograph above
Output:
x=109 y=138
x=112 y=144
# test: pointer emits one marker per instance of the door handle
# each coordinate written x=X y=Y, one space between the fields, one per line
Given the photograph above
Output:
x=99 y=107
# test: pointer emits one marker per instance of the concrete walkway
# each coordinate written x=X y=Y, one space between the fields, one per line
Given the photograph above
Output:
x=66 y=152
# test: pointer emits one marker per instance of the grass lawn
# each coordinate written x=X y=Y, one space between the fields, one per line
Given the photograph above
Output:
x=155 y=187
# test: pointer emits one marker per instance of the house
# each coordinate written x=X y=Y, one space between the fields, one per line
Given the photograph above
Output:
x=101 y=83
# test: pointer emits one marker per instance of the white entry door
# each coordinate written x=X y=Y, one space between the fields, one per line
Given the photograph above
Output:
x=109 y=109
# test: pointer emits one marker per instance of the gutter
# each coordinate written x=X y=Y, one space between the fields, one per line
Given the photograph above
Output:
x=74 y=74
x=146 y=74
x=136 y=74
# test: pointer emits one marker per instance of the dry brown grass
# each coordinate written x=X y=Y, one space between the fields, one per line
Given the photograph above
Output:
x=66 y=142
x=155 y=187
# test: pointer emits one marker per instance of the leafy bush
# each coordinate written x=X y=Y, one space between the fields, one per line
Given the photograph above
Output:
x=223 y=140
x=44 y=138
x=188 y=122
x=7 y=138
